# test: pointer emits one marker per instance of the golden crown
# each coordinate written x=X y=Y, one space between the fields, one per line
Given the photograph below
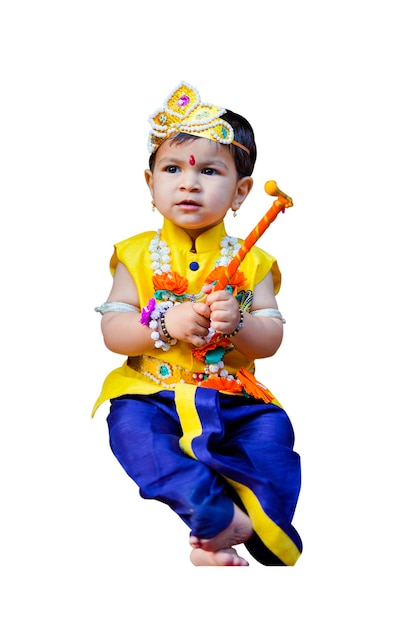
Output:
x=183 y=112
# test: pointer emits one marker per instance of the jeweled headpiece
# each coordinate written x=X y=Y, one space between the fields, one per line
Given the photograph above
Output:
x=183 y=112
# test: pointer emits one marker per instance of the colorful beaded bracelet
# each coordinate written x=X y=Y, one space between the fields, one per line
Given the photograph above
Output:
x=239 y=326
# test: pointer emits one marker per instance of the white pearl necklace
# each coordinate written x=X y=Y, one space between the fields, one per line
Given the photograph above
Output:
x=161 y=264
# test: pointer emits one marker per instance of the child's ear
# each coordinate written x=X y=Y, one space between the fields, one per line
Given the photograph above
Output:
x=149 y=180
x=243 y=187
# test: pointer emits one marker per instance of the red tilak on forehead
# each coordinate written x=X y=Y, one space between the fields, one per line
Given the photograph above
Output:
x=192 y=160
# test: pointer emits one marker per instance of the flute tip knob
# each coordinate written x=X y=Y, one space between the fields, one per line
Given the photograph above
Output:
x=271 y=188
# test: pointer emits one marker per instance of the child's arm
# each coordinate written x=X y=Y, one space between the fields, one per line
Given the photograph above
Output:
x=122 y=332
x=259 y=337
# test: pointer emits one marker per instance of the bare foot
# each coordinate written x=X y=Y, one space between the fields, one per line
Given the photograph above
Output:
x=228 y=556
x=239 y=530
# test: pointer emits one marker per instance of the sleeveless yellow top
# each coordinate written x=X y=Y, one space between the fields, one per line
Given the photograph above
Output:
x=145 y=374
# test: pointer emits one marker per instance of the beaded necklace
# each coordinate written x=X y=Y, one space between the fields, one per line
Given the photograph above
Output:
x=171 y=289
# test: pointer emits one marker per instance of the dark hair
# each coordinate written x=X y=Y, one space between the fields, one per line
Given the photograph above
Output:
x=243 y=133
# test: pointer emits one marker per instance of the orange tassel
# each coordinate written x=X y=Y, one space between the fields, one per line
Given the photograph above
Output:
x=252 y=386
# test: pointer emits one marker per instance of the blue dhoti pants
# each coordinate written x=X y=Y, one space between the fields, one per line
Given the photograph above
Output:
x=200 y=451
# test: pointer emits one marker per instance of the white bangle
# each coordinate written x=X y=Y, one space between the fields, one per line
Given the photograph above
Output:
x=116 y=307
x=269 y=313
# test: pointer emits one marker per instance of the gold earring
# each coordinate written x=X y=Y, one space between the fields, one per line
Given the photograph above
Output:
x=235 y=209
x=153 y=206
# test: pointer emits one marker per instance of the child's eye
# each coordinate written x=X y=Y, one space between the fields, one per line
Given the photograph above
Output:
x=172 y=169
x=209 y=171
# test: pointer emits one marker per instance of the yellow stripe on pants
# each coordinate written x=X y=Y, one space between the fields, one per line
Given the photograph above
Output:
x=189 y=419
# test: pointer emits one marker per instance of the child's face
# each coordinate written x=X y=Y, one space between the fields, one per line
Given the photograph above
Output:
x=194 y=184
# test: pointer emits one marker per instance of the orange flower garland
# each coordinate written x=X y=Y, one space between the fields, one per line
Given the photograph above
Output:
x=217 y=341
x=170 y=281
x=170 y=286
x=222 y=384
x=236 y=281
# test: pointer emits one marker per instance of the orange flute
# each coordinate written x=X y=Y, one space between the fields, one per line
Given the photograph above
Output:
x=280 y=204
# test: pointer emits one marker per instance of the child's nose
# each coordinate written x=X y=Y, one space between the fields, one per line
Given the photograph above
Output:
x=190 y=180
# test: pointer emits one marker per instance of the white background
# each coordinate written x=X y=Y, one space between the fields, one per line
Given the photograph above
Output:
x=330 y=90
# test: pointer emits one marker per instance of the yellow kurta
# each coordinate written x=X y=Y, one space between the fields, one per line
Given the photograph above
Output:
x=135 y=255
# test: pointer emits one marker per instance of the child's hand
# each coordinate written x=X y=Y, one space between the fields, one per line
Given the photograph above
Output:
x=188 y=322
x=224 y=311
